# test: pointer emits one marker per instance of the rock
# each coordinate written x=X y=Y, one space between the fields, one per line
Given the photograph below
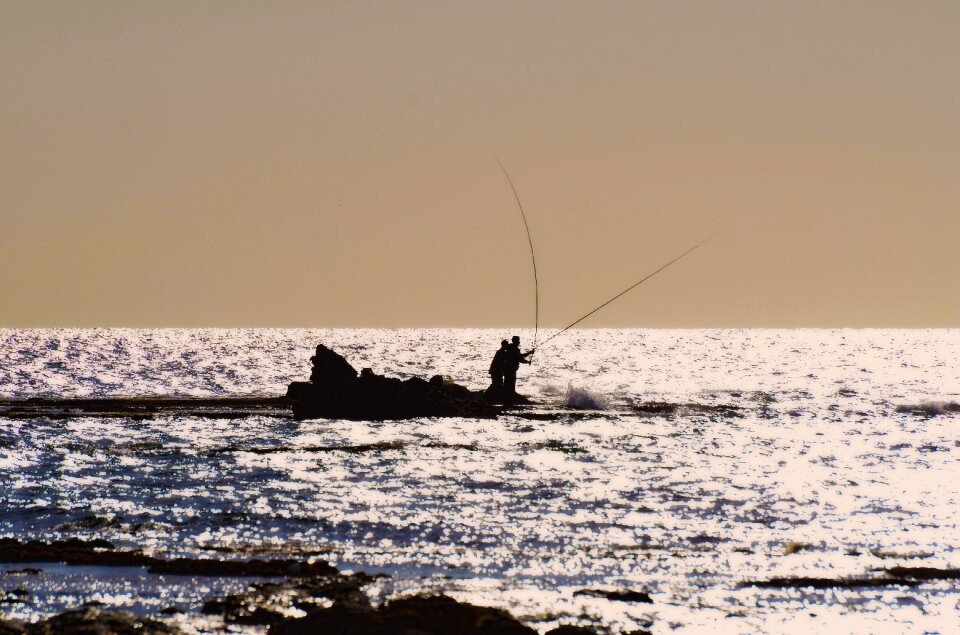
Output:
x=89 y=522
x=14 y=596
x=93 y=621
x=241 y=568
x=335 y=391
x=930 y=409
x=336 y=620
x=12 y=627
x=620 y=596
x=331 y=369
x=343 y=589
x=924 y=573
x=72 y=551
x=665 y=409
x=102 y=553
x=441 y=614
x=417 y=615
x=264 y=603
x=831 y=583
x=256 y=606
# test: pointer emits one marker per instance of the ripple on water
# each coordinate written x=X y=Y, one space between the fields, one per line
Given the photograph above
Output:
x=684 y=501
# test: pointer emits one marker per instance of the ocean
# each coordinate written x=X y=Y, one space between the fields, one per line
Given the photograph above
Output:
x=685 y=464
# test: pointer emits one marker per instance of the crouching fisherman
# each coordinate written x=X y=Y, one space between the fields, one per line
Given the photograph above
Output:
x=496 y=368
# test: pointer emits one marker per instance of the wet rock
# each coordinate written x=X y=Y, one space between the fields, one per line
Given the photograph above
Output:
x=564 y=415
x=655 y=408
x=931 y=409
x=556 y=446
x=241 y=568
x=72 y=551
x=794 y=547
x=143 y=408
x=336 y=620
x=345 y=589
x=12 y=627
x=924 y=573
x=89 y=522
x=665 y=409
x=441 y=614
x=244 y=608
x=418 y=615
x=362 y=448
x=265 y=603
x=619 y=596
x=14 y=596
x=335 y=391
x=102 y=553
x=830 y=583
x=93 y=621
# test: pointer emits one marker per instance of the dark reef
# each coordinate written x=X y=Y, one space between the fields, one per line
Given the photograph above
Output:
x=337 y=391
x=334 y=602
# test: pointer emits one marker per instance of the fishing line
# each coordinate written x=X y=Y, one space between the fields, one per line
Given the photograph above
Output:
x=625 y=291
x=533 y=258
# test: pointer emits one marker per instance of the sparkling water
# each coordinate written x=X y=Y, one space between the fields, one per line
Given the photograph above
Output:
x=821 y=466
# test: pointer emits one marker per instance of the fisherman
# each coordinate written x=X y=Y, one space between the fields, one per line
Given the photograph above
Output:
x=497 y=368
x=512 y=358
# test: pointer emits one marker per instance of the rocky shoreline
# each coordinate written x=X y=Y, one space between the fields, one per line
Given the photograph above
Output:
x=301 y=597
x=324 y=599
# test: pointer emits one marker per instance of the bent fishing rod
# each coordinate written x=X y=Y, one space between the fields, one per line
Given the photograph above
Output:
x=625 y=291
x=533 y=258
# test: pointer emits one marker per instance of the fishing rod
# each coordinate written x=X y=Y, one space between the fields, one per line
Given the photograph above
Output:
x=533 y=258
x=625 y=291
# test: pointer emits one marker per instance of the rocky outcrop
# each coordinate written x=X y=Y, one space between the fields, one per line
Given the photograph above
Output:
x=337 y=391
x=103 y=554
x=266 y=603
x=417 y=615
x=93 y=621
x=13 y=627
x=305 y=586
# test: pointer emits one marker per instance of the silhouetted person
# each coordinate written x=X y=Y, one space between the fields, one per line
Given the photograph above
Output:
x=497 y=367
x=512 y=358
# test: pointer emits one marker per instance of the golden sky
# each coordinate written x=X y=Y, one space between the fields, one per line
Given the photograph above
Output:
x=325 y=164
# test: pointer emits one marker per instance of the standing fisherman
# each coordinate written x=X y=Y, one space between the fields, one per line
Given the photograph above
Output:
x=512 y=358
x=497 y=368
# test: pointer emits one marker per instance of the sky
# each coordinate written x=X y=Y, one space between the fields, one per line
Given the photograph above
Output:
x=312 y=164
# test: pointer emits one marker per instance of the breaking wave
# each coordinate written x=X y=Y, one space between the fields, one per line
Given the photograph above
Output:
x=583 y=399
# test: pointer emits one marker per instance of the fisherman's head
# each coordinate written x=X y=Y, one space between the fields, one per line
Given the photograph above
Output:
x=515 y=339
x=504 y=343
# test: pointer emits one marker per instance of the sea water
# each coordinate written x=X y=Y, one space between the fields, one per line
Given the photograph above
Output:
x=822 y=466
